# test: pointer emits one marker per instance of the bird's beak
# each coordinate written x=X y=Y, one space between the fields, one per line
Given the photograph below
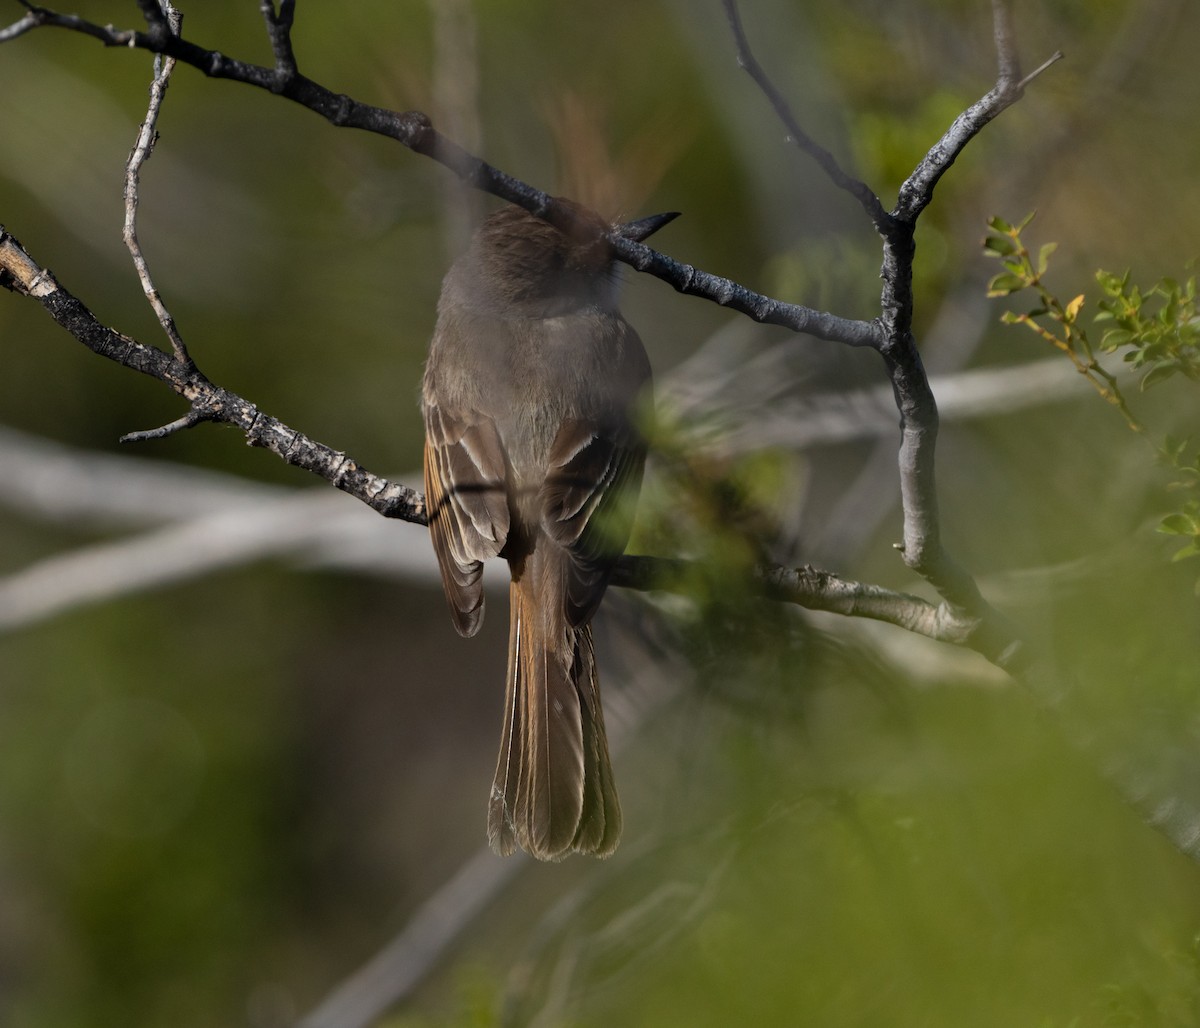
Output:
x=644 y=228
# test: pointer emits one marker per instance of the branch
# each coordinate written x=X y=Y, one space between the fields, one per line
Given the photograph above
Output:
x=415 y=131
x=917 y=191
x=922 y=548
x=746 y=59
x=20 y=273
x=988 y=634
x=279 y=29
x=147 y=136
x=29 y=21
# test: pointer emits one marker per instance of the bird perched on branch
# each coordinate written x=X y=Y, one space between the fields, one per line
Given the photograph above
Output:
x=531 y=399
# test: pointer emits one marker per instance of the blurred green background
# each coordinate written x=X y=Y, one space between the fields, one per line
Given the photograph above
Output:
x=220 y=797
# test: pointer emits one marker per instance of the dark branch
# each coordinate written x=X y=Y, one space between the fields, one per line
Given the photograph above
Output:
x=414 y=130
x=746 y=59
x=764 y=309
x=279 y=29
x=21 y=273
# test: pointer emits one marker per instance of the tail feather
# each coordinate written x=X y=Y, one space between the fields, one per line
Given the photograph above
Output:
x=553 y=792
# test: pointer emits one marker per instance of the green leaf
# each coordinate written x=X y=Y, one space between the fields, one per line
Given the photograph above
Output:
x=1172 y=449
x=999 y=246
x=1043 y=261
x=1192 y=549
x=1112 y=284
x=998 y=224
x=1005 y=284
x=1159 y=373
x=1177 y=524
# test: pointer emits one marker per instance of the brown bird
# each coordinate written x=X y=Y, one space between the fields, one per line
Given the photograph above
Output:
x=531 y=398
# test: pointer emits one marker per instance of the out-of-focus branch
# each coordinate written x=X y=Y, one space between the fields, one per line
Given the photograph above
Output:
x=190 y=522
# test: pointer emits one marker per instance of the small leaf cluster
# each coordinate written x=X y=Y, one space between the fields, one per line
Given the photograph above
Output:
x=1022 y=271
x=1155 y=330
x=1158 y=329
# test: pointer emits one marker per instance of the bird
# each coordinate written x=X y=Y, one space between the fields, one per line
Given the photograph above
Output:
x=532 y=399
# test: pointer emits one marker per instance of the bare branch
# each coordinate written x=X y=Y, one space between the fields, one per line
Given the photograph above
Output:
x=746 y=59
x=691 y=281
x=279 y=29
x=917 y=191
x=21 y=273
x=1008 y=61
x=414 y=130
x=142 y=149
x=922 y=547
x=191 y=419
x=815 y=589
x=1054 y=58
x=19 y=27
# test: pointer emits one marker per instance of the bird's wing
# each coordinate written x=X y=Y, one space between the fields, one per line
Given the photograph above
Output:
x=593 y=476
x=465 y=471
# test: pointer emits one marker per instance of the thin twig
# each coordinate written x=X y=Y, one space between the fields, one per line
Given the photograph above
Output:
x=279 y=29
x=1054 y=58
x=191 y=419
x=142 y=149
x=796 y=135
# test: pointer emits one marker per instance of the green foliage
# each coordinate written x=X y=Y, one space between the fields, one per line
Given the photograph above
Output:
x=1155 y=330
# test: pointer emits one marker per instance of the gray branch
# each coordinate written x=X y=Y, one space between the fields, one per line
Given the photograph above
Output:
x=20 y=273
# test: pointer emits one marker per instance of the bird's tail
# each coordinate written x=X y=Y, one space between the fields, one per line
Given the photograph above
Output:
x=553 y=793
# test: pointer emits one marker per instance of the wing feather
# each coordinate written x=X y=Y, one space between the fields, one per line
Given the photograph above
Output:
x=592 y=481
x=465 y=476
